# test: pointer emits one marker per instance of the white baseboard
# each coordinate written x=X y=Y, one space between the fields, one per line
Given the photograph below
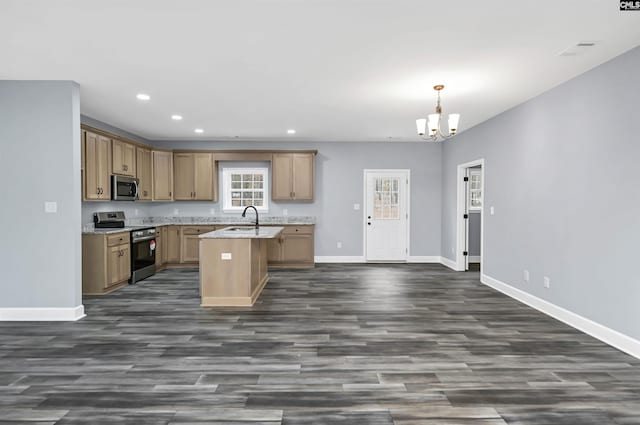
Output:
x=449 y=263
x=339 y=259
x=607 y=335
x=26 y=314
x=424 y=259
x=474 y=258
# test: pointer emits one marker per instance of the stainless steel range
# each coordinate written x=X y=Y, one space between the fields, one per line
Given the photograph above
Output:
x=143 y=243
x=143 y=253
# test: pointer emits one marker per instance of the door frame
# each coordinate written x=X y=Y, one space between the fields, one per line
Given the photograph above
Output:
x=407 y=173
x=460 y=221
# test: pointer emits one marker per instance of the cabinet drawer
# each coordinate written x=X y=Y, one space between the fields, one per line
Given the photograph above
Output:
x=297 y=230
x=118 y=239
x=197 y=230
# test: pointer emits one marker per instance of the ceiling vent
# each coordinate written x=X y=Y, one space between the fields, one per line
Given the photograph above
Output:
x=578 y=48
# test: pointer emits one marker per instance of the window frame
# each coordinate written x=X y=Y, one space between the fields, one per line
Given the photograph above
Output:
x=226 y=187
x=478 y=173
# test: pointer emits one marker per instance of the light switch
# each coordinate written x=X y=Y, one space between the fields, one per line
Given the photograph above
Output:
x=225 y=256
x=492 y=211
x=356 y=207
x=51 y=207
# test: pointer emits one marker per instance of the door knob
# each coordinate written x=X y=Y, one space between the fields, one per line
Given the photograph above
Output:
x=369 y=217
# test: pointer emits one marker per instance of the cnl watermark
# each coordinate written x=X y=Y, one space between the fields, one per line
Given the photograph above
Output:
x=629 y=5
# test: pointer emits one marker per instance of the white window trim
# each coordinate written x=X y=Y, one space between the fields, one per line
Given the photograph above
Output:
x=226 y=188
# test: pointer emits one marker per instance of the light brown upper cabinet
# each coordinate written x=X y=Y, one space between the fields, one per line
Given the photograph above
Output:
x=194 y=177
x=97 y=167
x=124 y=158
x=162 y=164
x=144 y=174
x=293 y=176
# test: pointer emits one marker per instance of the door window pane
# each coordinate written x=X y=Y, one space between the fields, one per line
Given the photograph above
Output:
x=386 y=199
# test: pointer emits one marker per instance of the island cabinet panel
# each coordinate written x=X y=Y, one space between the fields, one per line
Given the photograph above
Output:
x=274 y=250
x=97 y=167
x=144 y=174
x=194 y=177
x=173 y=241
x=191 y=242
x=162 y=165
x=124 y=158
x=106 y=262
x=292 y=176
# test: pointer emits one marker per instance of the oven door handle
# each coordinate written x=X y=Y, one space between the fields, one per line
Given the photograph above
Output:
x=150 y=238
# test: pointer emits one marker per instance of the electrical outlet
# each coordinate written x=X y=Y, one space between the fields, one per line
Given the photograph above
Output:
x=285 y=212
x=51 y=207
x=453 y=251
x=339 y=244
x=176 y=211
x=547 y=282
x=136 y=212
x=212 y=211
x=356 y=207
x=526 y=276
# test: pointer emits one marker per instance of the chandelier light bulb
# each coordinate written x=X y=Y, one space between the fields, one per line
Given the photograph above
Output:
x=433 y=122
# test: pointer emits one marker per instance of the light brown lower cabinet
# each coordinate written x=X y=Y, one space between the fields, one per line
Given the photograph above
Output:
x=294 y=248
x=106 y=262
x=191 y=242
x=159 y=249
x=173 y=241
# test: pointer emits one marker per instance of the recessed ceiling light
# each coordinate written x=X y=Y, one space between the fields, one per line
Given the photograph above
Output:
x=143 y=96
x=199 y=130
x=176 y=117
x=291 y=131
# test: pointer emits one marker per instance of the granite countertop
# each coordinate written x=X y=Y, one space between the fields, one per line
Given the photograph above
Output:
x=203 y=221
x=244 y=232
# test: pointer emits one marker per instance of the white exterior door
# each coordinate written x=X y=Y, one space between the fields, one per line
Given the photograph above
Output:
x=386 y=217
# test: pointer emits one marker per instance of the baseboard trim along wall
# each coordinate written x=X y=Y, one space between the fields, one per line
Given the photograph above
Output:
x=27 y=314
x=607 y=335
x=449 y=263
x=360 y=259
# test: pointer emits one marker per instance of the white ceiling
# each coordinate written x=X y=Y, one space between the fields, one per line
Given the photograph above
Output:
x=334 y=70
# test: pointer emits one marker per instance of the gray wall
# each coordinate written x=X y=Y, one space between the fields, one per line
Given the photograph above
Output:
x=475 y=221
x=561 y=172
x=40 y=253
x=339 y=185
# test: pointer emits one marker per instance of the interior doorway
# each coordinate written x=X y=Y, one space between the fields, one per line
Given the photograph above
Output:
x=386 y=215
x=470 y=216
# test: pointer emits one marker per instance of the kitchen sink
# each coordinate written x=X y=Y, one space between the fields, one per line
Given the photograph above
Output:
x=240 y=229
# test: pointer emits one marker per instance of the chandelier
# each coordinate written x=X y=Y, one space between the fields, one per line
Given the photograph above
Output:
x=435 y=133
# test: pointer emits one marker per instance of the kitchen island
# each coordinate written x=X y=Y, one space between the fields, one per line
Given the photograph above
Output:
x=233 y=265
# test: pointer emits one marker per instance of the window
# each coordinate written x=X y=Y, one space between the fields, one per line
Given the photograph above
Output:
x=386 y=204
x=475 y=189
x=243 y=187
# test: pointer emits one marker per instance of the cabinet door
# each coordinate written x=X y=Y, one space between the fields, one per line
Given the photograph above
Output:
x=165 y=241
x=114 y=256
x=162 y=176
x=123 y=158
x=143 y=172
x=183 y=176
x=274 y=250
x=173 y=244
x=97 y=170
x=303 y=172
x=297 y=248
x=125 y=262
x=159 y=248
x=282 y=177
x=203 y=176
x=190 y=249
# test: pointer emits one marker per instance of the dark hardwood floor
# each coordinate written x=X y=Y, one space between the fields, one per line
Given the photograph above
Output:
x=340 y=344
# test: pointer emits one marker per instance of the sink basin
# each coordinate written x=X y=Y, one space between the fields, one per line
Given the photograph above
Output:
x=241 y=229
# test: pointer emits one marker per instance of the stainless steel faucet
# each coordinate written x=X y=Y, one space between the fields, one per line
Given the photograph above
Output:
x=244 y=213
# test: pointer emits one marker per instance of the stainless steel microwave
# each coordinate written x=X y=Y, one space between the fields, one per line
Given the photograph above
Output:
x=124 y=188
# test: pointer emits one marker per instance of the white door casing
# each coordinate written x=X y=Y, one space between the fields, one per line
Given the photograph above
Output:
x=386 y=221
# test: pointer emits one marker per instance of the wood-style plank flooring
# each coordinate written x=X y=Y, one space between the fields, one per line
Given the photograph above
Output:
x=340 y=344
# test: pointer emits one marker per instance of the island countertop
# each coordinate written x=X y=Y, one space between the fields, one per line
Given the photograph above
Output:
x=245 y=232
